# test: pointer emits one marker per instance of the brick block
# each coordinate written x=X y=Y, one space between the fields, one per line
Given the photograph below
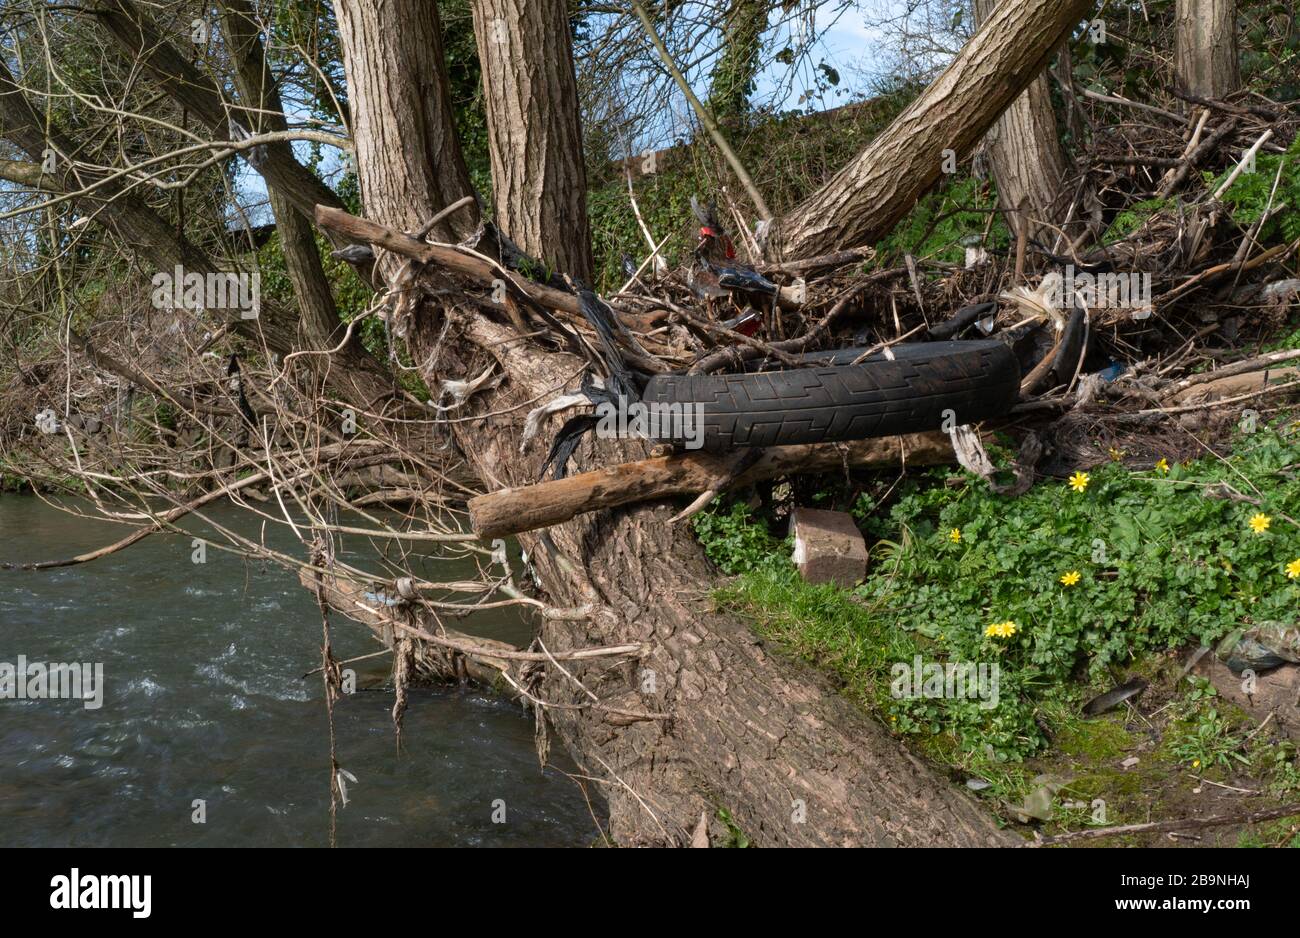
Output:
x=828 y=547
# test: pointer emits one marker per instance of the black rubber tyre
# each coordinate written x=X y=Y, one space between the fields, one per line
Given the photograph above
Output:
x=835 y=401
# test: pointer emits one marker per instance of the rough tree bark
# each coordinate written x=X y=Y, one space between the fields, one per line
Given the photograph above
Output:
x=408 y=157
x=863 y=201
x=539 y=180
x=1206 y=59
x=764 y=737
x=1025 y=151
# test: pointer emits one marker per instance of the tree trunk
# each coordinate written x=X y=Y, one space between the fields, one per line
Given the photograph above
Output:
x=355 y=373
x=539 y=179
x=1206 y=58
x=408 y=158
x=863 y=201
x=764 y=737
x=1025 y=151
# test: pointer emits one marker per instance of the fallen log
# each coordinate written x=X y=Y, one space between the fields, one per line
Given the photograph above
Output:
x=339 y=221
x=529 y=507
x=1259 y=363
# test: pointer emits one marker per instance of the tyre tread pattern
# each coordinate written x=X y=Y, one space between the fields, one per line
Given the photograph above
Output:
x=879 y=397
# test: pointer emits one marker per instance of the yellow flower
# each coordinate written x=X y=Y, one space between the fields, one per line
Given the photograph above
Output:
x=1293 y=569
x=1259 y=523
x=1070 y=578
x=1162 y=466
x=955 y=535
x=1196 y=763
x=1079 y=481
x=1116 y=454
x=1000 y=630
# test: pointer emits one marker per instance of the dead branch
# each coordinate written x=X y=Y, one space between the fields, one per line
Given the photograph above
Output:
x=511 y=510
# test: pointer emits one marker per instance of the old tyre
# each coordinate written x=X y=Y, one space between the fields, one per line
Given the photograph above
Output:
x=833 y=400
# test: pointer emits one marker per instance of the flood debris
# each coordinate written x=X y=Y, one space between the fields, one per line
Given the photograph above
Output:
x=1261 y=648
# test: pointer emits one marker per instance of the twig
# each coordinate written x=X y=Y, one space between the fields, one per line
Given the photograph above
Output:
x=654 y=252
x=1237 y=170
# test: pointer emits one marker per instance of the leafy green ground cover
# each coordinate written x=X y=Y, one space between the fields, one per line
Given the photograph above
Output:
x=1069 y=589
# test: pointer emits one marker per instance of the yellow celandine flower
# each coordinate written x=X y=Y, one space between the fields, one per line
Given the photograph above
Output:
x=1293 y=569
x=1069 y=579
x=1079 y=481
x=1196 y=763
x=1259 y=523
x=1116 y=454
x=1162 y=466
x=1000 y=630
x=955 y=536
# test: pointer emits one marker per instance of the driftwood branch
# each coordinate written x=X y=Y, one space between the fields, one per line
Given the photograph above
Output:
x=339 y=221
x=527 y=508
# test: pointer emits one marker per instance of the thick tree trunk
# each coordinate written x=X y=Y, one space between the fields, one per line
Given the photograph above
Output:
x=863 y=201
x=1206 y=57
x=408 y=157
x=764 y=737
x=1025 y=151
x=539 y=180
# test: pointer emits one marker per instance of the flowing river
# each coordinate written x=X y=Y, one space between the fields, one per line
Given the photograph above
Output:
x=204 y=700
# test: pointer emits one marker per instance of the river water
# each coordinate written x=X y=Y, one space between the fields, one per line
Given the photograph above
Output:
x=204 y=700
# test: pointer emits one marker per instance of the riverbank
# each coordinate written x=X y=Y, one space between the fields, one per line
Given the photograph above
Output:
x=1070 y=591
